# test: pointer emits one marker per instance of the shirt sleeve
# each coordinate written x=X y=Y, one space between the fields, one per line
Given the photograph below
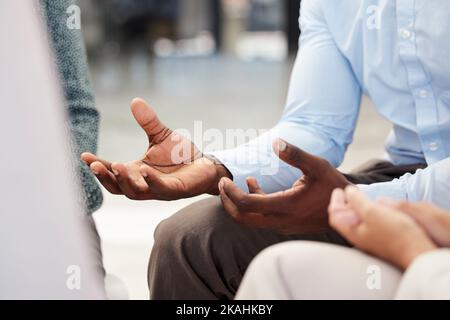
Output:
x=320 y=114
x=431 y=185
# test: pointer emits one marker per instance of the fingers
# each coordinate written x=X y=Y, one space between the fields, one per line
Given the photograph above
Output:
x=419 y=212
x=106 y=178
x=156 y=184
x=146 y=117
x=416 y=210
x=338 y=201
x=435 y=221
x=346 y=223
x=368 y=211
x=103 y=171
x=90 y=158
x=253 y=186
x=341 y=217
x=228 y=205
x=296 y=157
x=252 y=219
x=423 y=213
x=261 y=203
x=239 y=198
x=358 y=201
x=127 y=185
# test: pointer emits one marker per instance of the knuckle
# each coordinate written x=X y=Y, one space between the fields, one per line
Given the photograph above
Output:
x=293 y=154
x=321 y=164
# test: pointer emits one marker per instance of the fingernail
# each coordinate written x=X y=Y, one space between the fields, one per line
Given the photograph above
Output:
x=282 y=145
x=94 y=172
x=115 y=171
x=221 y=183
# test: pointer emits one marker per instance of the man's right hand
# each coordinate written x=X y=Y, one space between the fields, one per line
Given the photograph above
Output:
x=171 y=168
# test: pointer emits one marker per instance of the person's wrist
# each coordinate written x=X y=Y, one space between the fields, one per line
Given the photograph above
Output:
x=220 y=171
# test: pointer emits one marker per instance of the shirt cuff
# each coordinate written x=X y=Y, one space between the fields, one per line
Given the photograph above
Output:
x=228 y=159
x=394 y=190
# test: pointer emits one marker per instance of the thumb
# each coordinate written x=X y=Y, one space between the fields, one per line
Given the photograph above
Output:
x=148 y=120
x=296 y=157
x=359 y=201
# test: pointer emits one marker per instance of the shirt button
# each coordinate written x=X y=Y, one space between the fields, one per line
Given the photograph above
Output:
x=405 y=33
x=423 y=93
x=434 y=146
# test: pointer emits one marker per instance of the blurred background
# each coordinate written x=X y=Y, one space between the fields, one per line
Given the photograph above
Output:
x=223 y=62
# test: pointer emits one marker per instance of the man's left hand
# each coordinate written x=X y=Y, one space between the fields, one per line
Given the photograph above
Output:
x=302 y=209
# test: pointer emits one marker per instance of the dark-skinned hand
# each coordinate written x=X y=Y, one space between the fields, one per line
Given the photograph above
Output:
x=171 y=168
x=302 y=209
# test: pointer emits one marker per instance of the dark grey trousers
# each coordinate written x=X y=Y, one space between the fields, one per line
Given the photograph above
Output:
x=201 y=253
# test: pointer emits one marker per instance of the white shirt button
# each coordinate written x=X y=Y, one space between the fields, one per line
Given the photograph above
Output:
x=423 y=93
x=434 y=146
x=405 y=33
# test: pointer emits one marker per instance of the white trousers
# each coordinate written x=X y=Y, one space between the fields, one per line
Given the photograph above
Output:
x=308 y=270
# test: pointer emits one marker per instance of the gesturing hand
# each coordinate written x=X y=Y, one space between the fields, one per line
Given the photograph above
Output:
x=171 y=168
x=300 y=209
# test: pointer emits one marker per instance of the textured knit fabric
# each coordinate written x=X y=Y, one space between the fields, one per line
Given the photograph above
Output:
x=83 y=117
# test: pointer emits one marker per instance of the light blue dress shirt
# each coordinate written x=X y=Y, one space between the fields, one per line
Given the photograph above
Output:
x=395 y=51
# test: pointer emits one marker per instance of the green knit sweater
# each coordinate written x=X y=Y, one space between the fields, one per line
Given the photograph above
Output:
x=83 y=117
